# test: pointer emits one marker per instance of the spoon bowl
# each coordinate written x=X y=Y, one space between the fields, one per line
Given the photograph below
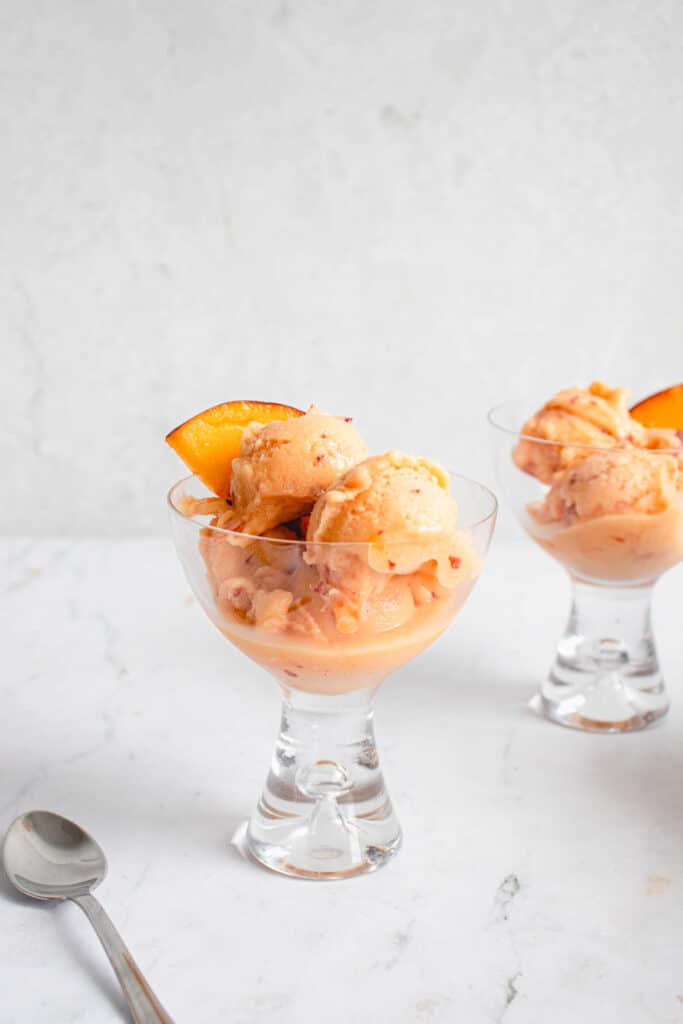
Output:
x=51 y=858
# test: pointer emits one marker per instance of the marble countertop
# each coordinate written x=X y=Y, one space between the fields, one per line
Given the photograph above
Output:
x=541 y=877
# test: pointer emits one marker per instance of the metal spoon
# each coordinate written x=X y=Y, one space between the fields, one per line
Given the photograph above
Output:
x=51 y=858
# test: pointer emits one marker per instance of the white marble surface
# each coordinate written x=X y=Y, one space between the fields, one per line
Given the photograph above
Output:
x=541 y=877
x=440 y=204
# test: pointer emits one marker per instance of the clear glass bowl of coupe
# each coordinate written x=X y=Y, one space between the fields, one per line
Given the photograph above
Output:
x=330 y=569
x=600 y=488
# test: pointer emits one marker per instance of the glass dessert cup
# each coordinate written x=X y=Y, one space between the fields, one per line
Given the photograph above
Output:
x=324 y=812
x=606 y=675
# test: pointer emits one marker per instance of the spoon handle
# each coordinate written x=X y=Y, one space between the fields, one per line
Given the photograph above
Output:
x=144 y=1005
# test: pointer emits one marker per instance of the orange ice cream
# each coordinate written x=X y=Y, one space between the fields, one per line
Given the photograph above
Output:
x=386 y=498
x=596 y=416
x=284 y=465
x=400 y=507
x=610 y=483
x=613 y=513
x=379 y=576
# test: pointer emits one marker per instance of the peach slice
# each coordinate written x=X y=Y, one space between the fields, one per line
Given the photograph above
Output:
x=209 y=441
x=665 y=409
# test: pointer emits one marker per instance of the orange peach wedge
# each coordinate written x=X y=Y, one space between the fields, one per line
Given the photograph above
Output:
x=665 y=409
x=209 y=441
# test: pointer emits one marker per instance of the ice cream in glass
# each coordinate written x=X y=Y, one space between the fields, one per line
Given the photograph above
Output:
x=600 y=488
x=329 y=567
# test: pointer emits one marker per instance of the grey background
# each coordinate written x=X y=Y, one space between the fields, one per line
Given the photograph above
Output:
x=402 y=211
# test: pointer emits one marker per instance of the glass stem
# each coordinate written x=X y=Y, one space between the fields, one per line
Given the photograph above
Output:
x=606 y=674
x=324 y=810
x=610 y=628
x=330 y=741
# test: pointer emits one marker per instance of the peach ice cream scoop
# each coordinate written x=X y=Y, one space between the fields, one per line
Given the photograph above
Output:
x=283 y=466
x=386 y=499
x=614 y=515
x=596 y=416
x=577 y=419
x=399 y=508
x=610 y=483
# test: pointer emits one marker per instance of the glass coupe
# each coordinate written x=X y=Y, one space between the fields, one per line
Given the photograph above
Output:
x=324 y=812
x=606 y=675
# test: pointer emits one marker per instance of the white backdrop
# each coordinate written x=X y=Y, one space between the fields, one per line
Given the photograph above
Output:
x=403 y=211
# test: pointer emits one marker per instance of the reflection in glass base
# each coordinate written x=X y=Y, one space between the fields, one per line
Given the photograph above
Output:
x=604 y=705
x=606 y=676
x=320 y=863
x=324 y=812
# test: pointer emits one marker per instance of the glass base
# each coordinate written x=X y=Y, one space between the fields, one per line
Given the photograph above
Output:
x=324 y=813
x=299 y=858
x=604 y=705
x=606 y=676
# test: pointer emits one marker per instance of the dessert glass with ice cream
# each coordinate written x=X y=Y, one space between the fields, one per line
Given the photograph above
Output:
x=329 y=573
x=604 y=496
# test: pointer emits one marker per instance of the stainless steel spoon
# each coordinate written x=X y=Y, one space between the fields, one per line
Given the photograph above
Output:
x=51 y=858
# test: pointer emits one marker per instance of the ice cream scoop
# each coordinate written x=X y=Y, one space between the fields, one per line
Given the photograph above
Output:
x=401 y=507
x=597 y=416
x=576 y=419
x=387 y=498
x=285 y=465
x=619 y=482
